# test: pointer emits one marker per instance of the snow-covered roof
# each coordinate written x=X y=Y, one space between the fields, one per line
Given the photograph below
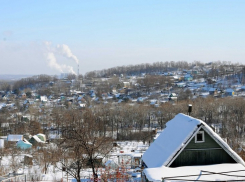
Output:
x=181 y=84
x=2 y=105
x=198 y=173
x=24 y=144
x=42 y=137
x=153 y=101
x=14 y=138
x=44 y=98
x=201 y=84
x=229 y=90
x=136 y=154
x=37 y=139
x=188 y=75
x=174 y=137
x=162 y=150
x=212 y=89
x=24 y=141
x=176 y=76
x=204 y=94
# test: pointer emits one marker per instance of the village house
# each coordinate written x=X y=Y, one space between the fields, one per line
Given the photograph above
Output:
x=213 y=91
x=188 y=77
x=173 y=96
x=188 y=149
x=229 y=92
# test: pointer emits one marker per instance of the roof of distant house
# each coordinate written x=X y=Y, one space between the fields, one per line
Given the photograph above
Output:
x=14 y=138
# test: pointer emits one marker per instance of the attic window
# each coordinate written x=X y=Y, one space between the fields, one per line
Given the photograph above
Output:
x=199 y=138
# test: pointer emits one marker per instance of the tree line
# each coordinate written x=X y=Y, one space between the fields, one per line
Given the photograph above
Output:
x=129 y=121
x=142 y=68
x=158 y=67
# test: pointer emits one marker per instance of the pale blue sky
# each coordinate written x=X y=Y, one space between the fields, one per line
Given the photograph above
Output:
x=103 y=34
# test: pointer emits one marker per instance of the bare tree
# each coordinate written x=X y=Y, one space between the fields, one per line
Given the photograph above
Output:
x=15 y=161
x=48 y=155
x=84 y=143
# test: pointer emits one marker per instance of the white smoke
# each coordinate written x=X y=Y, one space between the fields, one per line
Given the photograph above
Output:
x=66 y=52
x=63 y=50
x=60 y=67
x=52 y=62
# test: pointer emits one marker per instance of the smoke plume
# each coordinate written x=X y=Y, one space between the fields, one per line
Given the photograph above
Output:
x=66 y=51
x=63 y=50
x=60 y=67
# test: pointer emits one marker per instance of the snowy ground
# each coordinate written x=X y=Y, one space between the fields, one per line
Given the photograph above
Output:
x=124 y=151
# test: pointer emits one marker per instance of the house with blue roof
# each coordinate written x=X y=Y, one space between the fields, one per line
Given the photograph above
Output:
x=213 y=91
x=188 y=77
x=229 y=92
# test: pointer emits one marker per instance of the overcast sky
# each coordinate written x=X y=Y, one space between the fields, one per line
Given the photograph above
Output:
x=50 y=37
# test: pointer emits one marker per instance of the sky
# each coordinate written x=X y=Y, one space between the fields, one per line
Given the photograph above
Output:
x=53 y=37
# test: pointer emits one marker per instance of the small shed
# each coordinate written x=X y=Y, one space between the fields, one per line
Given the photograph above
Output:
x=181 y=84
x=229 y=92
x=42 y=137
x=136 y=159
x=24 y=144
x=14 y=138
x=172 y=96
x=213 y=91
x=28 y=159
x=153 y=102
x=44 y=98
x=188 y=77
x=34 y=140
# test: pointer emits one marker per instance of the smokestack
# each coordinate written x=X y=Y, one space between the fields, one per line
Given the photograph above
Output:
x=77 y=71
